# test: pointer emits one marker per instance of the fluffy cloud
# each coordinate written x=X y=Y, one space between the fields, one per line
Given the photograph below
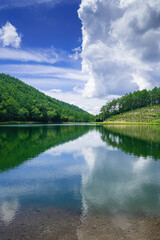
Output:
x=10 y=49
x=121 y=45
x=9 y=36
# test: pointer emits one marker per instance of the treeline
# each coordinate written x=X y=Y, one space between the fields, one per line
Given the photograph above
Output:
x=21 y=102
x=129 y=102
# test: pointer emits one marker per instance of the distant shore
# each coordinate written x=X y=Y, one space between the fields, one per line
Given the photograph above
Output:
x=96 y=123
x=128 y=123
x=33 y=122
x=19 y=122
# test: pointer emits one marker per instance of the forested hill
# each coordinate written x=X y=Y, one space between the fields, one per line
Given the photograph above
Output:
x=150 y=114
x=130 y=102
x=21 y=102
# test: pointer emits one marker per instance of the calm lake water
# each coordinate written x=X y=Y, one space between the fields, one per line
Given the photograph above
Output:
x=79 y=182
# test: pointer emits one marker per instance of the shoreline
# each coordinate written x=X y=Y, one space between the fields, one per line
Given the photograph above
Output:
x=45 y=123
x=129 y=123
x=92 y=123
x=38 y=223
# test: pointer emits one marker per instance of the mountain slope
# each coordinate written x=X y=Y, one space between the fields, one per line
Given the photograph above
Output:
x=19 y=101
x=150 y=114
x=129 y=102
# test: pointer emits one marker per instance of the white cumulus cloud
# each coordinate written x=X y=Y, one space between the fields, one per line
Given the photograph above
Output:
x=9 y=36
x=121 y=45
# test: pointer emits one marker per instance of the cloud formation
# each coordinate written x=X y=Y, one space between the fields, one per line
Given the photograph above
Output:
x=121 y=45
x=9 y=36
x=43 y=71
x=10 y=42
x=26 y=55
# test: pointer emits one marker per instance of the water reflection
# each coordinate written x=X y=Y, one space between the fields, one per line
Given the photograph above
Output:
x=18 y=144
x=118 y=183
x=8 y=210
x=137 y=140
x=51 y=179
x=100 y=170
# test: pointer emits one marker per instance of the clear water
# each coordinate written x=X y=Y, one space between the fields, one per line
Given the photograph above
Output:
x=83 y=168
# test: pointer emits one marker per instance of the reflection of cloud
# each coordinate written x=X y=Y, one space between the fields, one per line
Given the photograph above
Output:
x=111 y=180
x=141 y=163
x=38 y=177
x=90 y=140
x=8 y=210
x=119 y=182
x=89 y=157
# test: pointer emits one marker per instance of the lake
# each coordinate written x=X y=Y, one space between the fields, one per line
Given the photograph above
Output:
x=81 y=181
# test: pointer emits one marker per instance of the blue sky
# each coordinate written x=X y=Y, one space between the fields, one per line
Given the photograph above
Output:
x=44 y=48
x=104 y=50
x=44 y=25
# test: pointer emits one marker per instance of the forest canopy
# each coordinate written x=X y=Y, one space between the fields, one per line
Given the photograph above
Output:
x=128 y=102
x=21 y=102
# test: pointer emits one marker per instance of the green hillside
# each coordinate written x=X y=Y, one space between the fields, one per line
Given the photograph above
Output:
x=20 y=102
x=150 y=114
x=139 y=106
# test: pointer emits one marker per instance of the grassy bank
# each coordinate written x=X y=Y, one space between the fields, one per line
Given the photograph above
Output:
x=143 y=116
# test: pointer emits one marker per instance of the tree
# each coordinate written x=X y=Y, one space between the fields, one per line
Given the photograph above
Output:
x=23 y=114
x=35 y=113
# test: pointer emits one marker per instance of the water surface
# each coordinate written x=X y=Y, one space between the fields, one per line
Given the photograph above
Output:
x=79 y=182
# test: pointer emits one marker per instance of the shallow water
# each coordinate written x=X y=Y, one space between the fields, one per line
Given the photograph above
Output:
x=79 y=182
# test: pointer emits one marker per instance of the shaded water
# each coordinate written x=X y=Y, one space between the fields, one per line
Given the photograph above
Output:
x=79 y=182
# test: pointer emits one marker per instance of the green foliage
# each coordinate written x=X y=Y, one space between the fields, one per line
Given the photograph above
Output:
x=18 y=144
x=23 y=114
x=20 y=102
x=150 y=114
x=130 y=102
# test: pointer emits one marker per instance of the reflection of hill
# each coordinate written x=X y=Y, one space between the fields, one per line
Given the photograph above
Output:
x=18 y=144
x=137 y=140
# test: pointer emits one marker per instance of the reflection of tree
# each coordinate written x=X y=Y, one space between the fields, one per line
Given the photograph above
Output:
x=18 y=144
x=137 y=140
